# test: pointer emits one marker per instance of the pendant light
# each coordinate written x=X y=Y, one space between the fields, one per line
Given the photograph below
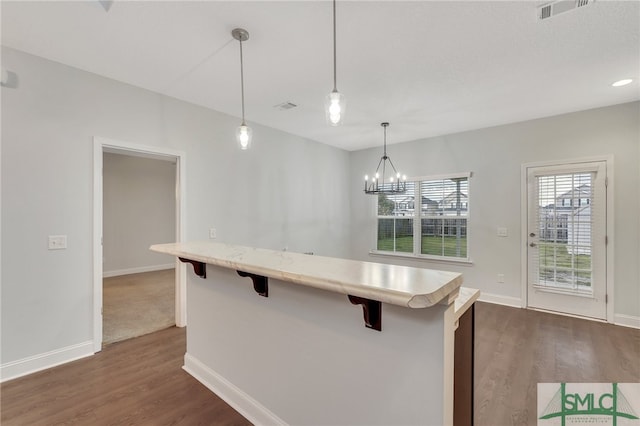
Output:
x=243 y=132
x=379 y=183
x=335 y=102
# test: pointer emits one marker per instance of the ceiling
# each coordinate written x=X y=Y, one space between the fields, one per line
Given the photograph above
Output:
x=429 y=68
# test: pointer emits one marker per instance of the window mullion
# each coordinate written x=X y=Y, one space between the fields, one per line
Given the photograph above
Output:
x=417 y=218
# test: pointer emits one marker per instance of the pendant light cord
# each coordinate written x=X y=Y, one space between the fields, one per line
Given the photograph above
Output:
x=335 y=79
x=242 y=82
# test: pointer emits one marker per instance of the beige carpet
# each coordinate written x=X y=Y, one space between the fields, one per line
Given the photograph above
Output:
x=137 y=304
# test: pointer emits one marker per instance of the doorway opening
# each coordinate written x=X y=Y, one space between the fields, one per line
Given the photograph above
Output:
x=138 y=201
x=138 y=209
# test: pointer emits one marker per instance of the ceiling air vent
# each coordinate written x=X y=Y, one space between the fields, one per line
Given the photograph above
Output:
x=557 y=7
x=285 y=106
x=106 y=4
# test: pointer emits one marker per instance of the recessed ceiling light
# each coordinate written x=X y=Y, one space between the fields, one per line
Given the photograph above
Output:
x=622 y=82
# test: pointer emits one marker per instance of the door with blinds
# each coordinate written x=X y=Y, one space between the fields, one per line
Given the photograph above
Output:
x=566 y=239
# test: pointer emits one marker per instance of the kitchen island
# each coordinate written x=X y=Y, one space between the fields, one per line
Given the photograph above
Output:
x=290 y=338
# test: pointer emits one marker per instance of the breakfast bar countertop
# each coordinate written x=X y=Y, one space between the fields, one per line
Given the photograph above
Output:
x=399 y=285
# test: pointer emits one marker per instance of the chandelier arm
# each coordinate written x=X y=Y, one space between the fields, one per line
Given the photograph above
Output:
x=392 y=166
x=379 y=162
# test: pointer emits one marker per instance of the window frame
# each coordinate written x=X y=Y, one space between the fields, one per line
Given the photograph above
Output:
x=417 y=218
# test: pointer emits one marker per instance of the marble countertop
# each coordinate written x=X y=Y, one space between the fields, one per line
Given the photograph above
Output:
x=399 y=285
x=465 y=299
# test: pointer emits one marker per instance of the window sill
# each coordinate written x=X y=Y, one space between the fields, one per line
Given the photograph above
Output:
x=464 y=262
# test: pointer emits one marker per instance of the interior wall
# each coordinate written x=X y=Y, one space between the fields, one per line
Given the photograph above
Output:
x=259 y=197
x=495 y=156
x=139 y=209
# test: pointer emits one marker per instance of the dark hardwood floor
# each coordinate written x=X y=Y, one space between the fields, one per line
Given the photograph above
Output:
x=140 y=381
x=135 y=382
x=518 y=348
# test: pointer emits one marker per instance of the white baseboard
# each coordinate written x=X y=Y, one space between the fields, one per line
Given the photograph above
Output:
x=498 y=299
x=248 y=407
x=626 y=320
x=32 y=364
x=138 y=270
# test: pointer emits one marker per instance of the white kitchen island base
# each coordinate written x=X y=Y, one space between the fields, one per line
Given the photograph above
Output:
x=303 y=356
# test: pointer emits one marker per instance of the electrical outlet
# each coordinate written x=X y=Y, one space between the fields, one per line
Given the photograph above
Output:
x=57 y=242
x=501 y=278
x=212 y=233
x=502 y=232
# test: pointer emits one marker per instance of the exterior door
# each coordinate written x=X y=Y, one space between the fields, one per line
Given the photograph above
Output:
x=566 y=239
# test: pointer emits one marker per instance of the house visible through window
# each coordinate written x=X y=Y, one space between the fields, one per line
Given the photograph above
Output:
x=428 y=220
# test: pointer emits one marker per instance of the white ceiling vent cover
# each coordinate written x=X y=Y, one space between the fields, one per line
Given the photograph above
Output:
x=557 y=7
x=285 y=106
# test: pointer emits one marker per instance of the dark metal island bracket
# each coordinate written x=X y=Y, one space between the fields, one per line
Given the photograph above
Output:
x=199 y=268
x=371 y=310
x=260 y=283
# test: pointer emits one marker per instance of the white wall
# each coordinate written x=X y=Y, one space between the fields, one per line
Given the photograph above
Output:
x=139 y=210
x=258 y=197
x=495 y=156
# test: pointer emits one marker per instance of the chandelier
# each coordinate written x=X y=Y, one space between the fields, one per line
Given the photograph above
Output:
x=380 y=183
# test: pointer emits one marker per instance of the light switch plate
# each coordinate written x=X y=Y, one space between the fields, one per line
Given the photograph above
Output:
x=57 y=242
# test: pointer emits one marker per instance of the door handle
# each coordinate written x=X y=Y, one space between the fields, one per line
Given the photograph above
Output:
x=532 y=244
x=532 y=234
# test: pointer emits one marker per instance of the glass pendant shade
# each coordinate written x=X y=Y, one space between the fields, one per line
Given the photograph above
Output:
x=243 y=136
x=335 y=105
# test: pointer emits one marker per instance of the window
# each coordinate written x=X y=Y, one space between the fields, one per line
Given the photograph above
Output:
x=395 y=221
x=563 y=256
x=436 y=229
